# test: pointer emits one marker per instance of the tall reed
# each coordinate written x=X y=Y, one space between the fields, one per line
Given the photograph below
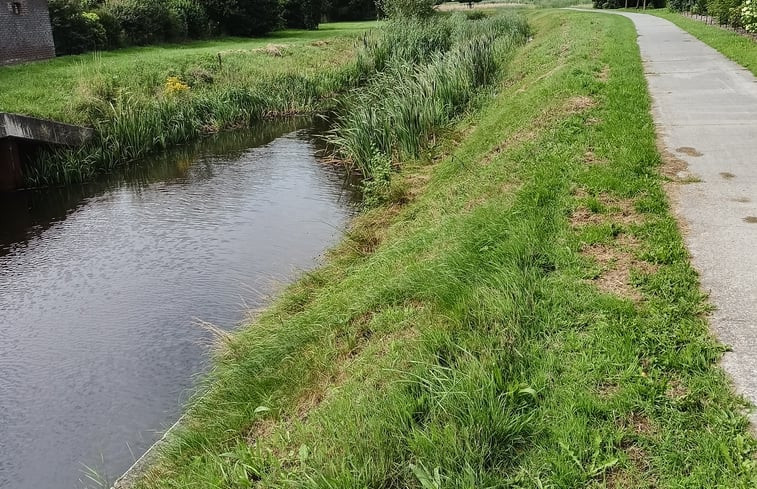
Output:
x=408 y=80
x=427 y=73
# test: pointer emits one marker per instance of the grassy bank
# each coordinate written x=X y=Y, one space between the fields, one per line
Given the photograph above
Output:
x=739 y=48
x=59 y=88
x=143 y=100
x=523 y=315
x=408 y=81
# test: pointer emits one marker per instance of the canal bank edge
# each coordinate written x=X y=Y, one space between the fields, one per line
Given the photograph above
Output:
x=575 y=296
x=21 y=136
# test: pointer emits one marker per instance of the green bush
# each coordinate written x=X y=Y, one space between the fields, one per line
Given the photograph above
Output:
x=192 y=17
x=340 y=10
x=75 y=31
x=612 y=4
x=244 y=17
x=408 y=9
x=144 y=22
x=725 y=11
x=113 y=35
x=302 y=14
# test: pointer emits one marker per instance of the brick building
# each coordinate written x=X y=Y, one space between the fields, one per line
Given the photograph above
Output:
x=25 y=32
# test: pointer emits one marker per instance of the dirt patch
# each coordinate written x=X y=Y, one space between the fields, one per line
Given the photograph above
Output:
x=676 y=389
x=639 y=423
x=590 y=158
x=618 y=210
x=606 y=390
x=636 y=476
x=673 y=168
x=727 y=175
x=742 y=200
x=604 y=74
x=583 y=216
x=261 y=430
x=689 y=151
x=751 y=219
x=319 y=44
x=617 y=264
x=578 y=104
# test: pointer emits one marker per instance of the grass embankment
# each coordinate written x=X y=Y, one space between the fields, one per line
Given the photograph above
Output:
x=418 y=76
x=59 y=89
x=525 y=316
x=146 y=99
x=737 y=47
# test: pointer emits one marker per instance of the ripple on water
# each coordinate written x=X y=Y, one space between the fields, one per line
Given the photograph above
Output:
x=99 y=290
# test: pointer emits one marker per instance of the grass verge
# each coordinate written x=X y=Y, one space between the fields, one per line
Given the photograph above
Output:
x=60 y=88
x=527 y=317
x=736 y=47
x=138 y=109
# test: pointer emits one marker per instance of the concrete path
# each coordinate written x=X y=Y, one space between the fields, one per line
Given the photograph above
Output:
x=705 y=109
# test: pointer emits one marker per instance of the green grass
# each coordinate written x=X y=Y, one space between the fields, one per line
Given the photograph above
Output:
x=410 y=79
x=54 y=89
x=523 y=316
x=739 y=48
x=140 y=101
x=428 y=74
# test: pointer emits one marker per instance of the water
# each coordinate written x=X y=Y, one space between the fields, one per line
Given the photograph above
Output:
x=100 y=289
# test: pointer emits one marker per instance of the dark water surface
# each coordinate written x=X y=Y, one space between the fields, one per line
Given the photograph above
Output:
x=100 y=288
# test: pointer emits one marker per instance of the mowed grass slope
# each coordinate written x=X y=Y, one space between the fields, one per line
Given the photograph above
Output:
x=525 y=315
x=60 y=88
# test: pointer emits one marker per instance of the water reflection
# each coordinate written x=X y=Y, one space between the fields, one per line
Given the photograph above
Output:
x=100 y=285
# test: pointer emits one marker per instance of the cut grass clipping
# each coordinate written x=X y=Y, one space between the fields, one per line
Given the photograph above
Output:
x=471 y=337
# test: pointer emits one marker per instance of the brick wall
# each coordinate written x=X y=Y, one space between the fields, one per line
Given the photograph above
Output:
x=25 y=32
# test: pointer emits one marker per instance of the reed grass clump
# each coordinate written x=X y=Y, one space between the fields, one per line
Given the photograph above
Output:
x=129 y=126
x=406 y=82
x=427 y=73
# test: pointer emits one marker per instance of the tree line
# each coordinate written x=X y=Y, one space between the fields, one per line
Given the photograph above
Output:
x=94 y=25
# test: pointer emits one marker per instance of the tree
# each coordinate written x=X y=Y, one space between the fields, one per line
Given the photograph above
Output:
x=245 y=17
x=408 y=9
x=339 y=10
x=302 y=14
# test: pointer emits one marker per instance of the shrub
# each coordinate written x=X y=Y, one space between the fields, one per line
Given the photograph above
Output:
x=75 y=31
x=408 y=9
x=302 y=14
x=339 y=10
x=145 y=22
x=192 y=16
x=113 y=37
x=725 y=11
x=749 y=15
x=244 y=17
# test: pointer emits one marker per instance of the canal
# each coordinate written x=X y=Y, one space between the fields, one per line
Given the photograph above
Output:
x=102 y=288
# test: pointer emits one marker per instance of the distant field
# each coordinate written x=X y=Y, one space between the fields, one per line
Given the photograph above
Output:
x=58 y=88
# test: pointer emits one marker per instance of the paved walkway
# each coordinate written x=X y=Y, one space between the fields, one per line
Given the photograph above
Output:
x=705 y=109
